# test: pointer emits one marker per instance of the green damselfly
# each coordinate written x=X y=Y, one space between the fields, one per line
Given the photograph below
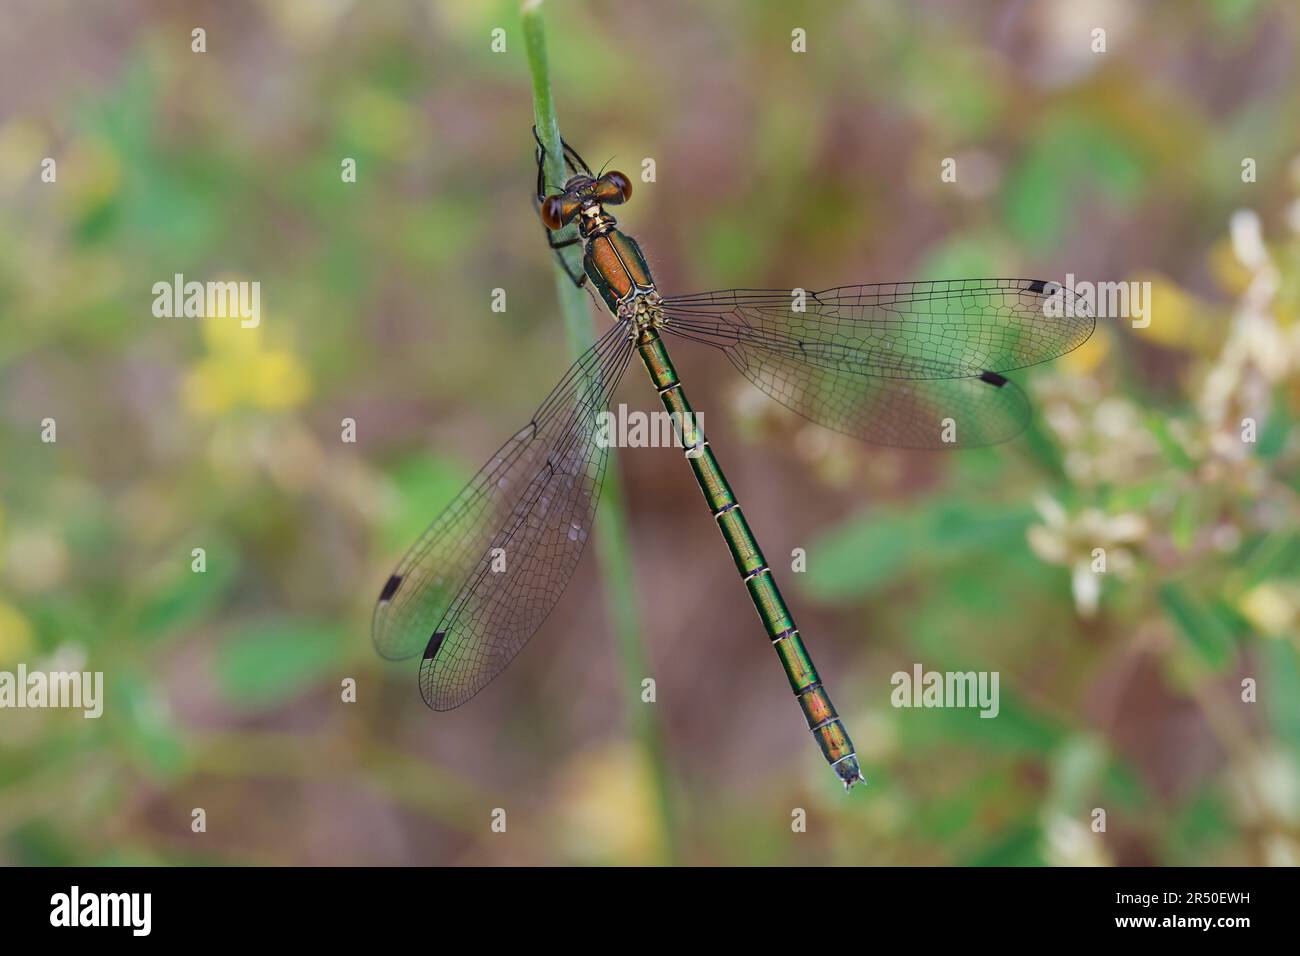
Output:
x=910 y=364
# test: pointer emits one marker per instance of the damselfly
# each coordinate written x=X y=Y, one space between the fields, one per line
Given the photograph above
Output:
x=911 y=364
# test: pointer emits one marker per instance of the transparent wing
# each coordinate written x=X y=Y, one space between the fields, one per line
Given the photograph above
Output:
x=485 y=575
x=912 y=364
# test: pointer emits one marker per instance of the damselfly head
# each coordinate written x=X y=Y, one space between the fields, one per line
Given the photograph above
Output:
x=586 y=195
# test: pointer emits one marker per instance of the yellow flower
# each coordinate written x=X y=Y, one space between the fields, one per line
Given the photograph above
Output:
x=278 y=380
x=605 y=807
x=1090 y=355
x=98 y=176
x=1177 y=319
x=240 y=370
x=15 y=634
x=23 y=144
x=1231 y=275
x=1271 y=607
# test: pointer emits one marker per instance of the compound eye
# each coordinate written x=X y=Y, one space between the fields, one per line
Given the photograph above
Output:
x=613 y=188
x=553 y=212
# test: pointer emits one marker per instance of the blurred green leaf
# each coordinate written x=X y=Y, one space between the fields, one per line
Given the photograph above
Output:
x=963 y=256
x=272 y=661
x=1036 y=199
x=144 y=726
x=1236 y=13
x=42 y=843
x=1041 y=448
x=1069 y=153
x=876 y=548
x=950 y=816
x=1269 y=556
x=729 y=247
x=1198 y=623
x=1277 y=428
x=1204 y=820
x=1017 y=846
x=1016 y=729
x=1185 y=522
x=1125 y=788
x=425 y=484
x=1279 y=688
x=1159 y=426
x=185 y=597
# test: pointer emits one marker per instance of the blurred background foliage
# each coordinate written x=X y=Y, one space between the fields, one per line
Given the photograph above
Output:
x=1120 y=690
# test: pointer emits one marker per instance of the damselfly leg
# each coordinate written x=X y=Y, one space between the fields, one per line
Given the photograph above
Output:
x=574 y=163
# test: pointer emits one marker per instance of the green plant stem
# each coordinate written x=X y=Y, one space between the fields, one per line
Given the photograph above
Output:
x=612 y=550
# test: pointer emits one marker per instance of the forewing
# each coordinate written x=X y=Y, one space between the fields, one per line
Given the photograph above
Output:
x=484 y=576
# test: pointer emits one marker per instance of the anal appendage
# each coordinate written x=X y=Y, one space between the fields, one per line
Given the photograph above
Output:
x=849 y=771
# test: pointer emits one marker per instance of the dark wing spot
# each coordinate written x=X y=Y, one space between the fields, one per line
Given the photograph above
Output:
x=993 y=378
x=390 y=587
x=435 y=644
x=1038 y=285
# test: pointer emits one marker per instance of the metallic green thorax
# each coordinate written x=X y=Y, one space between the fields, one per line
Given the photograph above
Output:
x=822 y=719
